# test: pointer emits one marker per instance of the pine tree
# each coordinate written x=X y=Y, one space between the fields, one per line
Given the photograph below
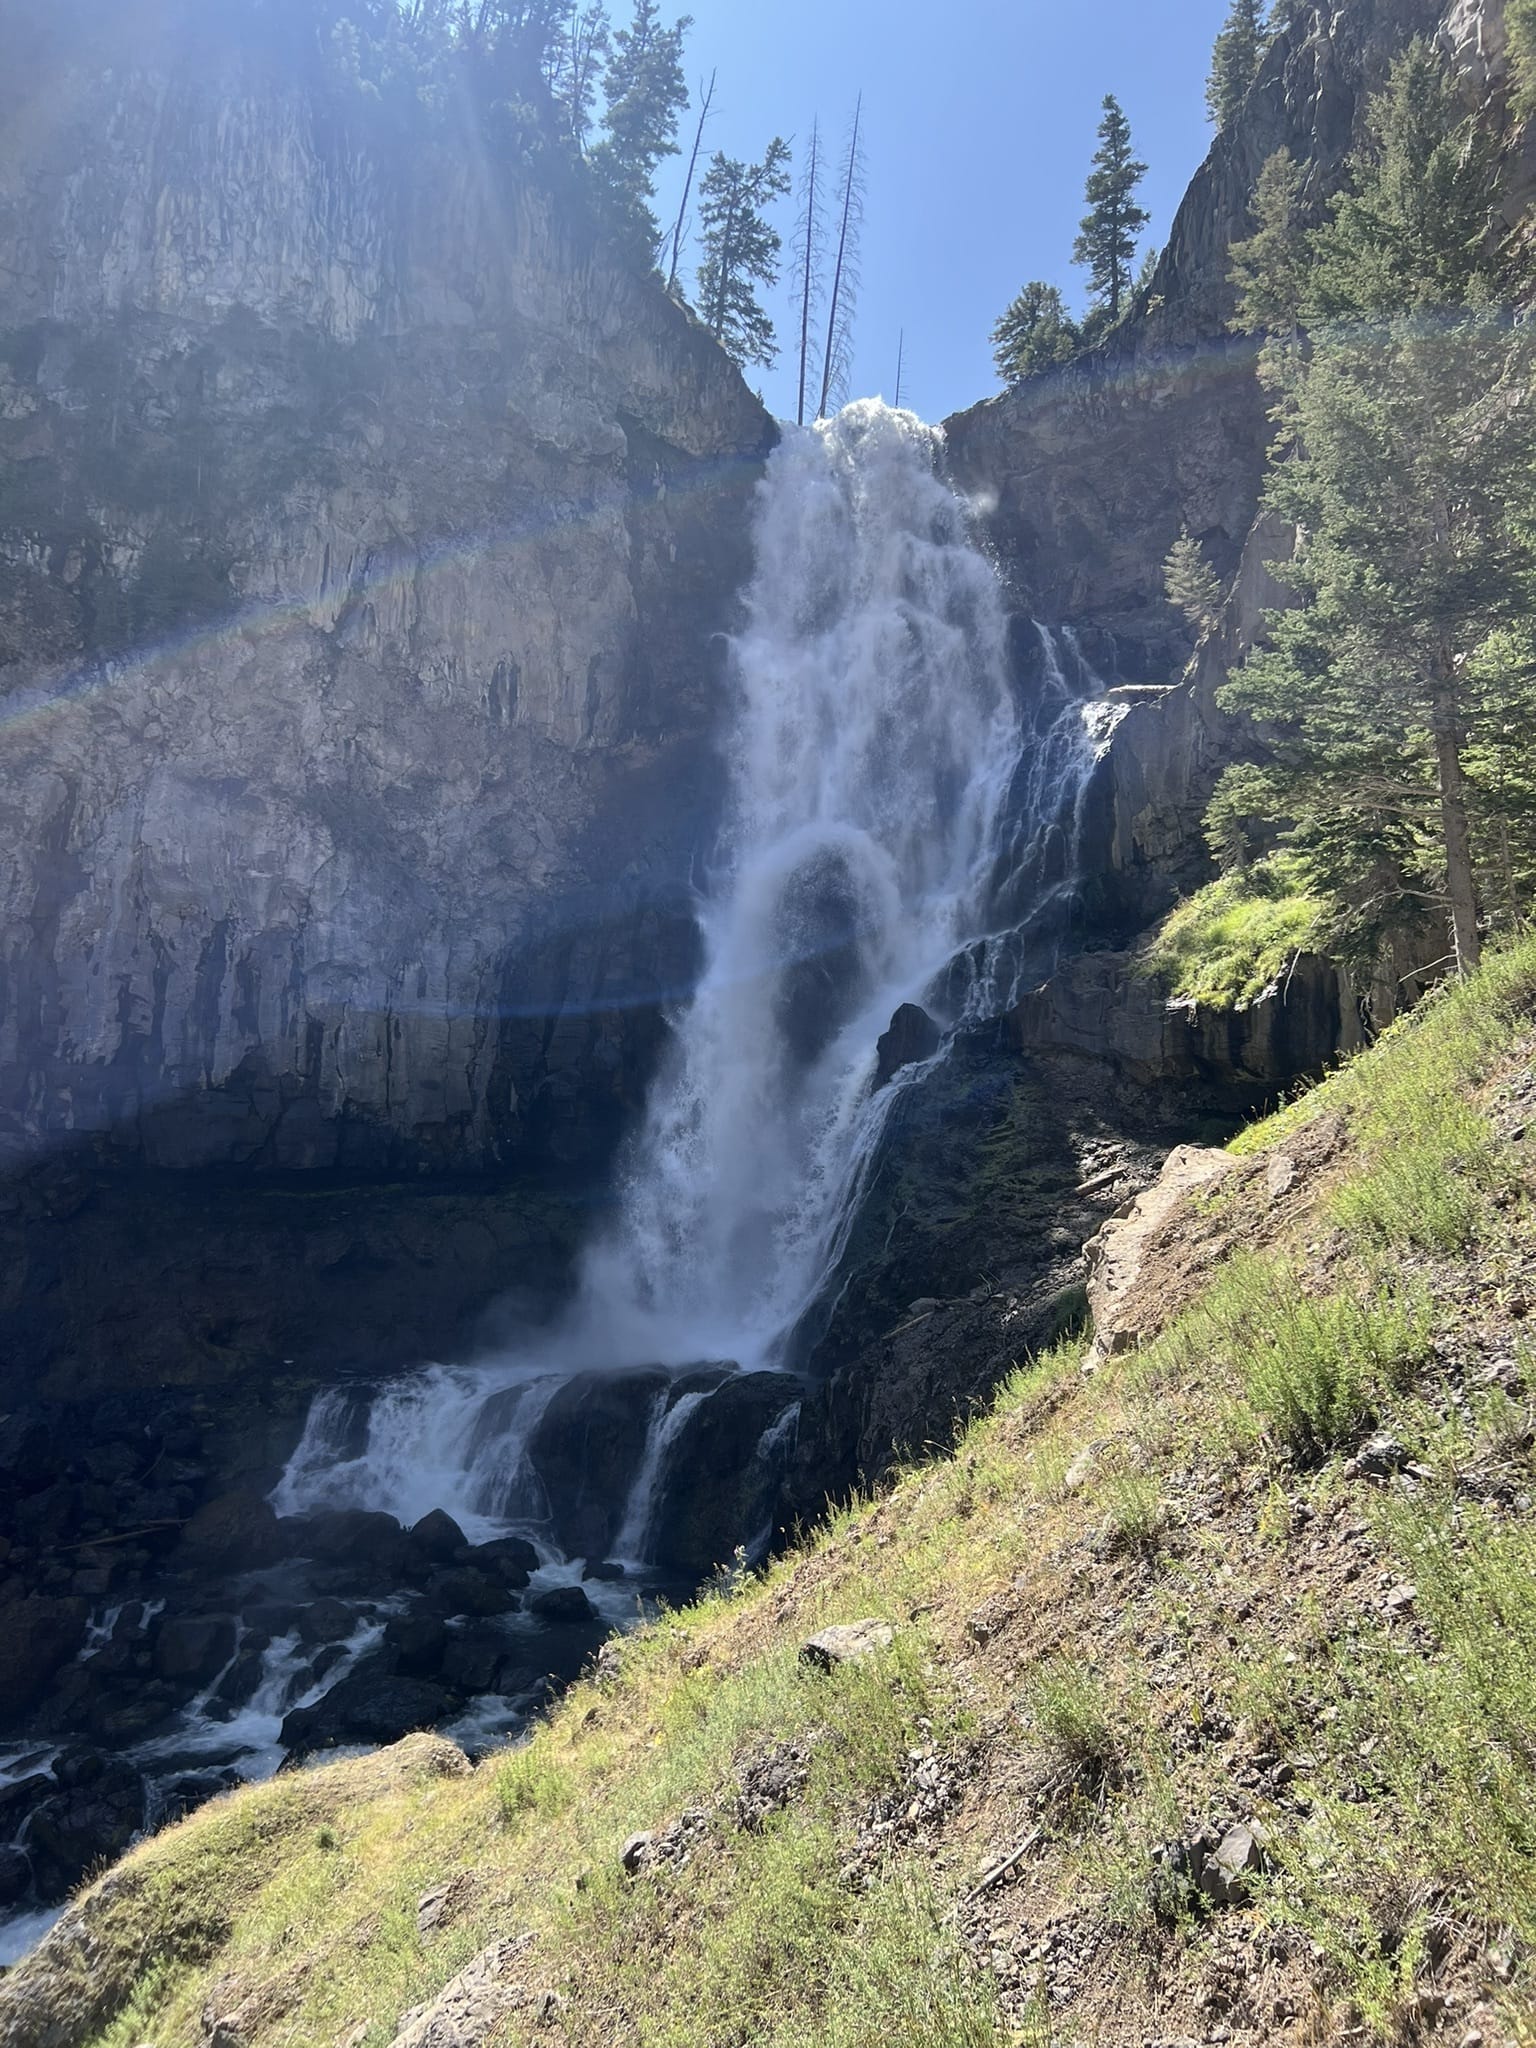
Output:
x=1106 y=247
x=1236 y=59
x=1191 y=583
x=574 y=64
x=1409 y=438
x=1036 y=333
x=644 y=93
x=741 y=251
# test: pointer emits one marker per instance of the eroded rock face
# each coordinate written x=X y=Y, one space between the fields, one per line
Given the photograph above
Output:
x=363 y=544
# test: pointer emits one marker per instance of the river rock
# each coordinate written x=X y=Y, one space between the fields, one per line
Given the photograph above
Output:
x=461 y=1590
x=193 y=1647
x=587 y=1450
x=561 y=1604
x=698 y=1527
x=351 y=1536
x=238 y=1531
x=15 y=1873
x=436 y=1538
x=40 y=1633
x=511 y=1558
x=418 y=1640
x=94 y=1815
x=371 y=1704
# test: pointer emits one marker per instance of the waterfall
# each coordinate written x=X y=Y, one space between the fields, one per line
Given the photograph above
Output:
x=894 y=818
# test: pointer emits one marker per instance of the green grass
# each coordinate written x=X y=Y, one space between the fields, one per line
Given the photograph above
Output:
x=1228 y=942
x=1106 y=1707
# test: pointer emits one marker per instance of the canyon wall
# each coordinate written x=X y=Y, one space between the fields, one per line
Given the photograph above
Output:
x=366 y=530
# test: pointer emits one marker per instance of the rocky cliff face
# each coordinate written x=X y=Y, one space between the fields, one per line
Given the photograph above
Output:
x=1083 y=479
x=364 y=527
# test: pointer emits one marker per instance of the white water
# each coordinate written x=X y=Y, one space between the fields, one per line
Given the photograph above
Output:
x=890 y=818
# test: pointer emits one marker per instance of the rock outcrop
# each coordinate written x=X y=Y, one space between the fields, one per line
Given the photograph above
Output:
x=365 y=535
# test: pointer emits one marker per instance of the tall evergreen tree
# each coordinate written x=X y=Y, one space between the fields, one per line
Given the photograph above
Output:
x=645 y=94
x=1036 y=333
x=1191 y=583
x=1236 y=59
x=1409 y=439
x=577 y=55
x=741 y=250
x=1106 y=247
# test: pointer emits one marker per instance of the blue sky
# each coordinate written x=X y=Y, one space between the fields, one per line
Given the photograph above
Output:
x=980 y=119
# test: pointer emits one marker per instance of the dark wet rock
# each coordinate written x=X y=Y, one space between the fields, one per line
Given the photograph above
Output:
x=15 y=1874
x=374 y=1703
x=698 y=1527
x=193 y=1647
x=606 y=1572
x=472 y=1663
x=41 y=1634
x=911 y=1037
x=418 y=1640
x=241 y=1679
x=239 y=1531
x=587 y=1450
x=461 y=1590
x=561 y=1604
x=186 y=1794
x=326 y=1621
x=436 y=1538
x=511 y=1558
x=94 y=1815
x=350 y=1536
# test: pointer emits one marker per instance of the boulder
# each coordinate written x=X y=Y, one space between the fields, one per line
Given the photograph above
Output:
x=471 y=2006
x=511 y=1558
x=40 y=1634
x=360 y=1537
x=729 y=1436
x=371 y=1704
x=911 y=1037
x=460 y=1590
x=238 y=1531
x=15 y=1874
x=847 y=1643
x=436 y=1538
x=472 y=1662
x=193 y=1648
x=90 y=1820
x=587 y=1449
x=1227 y=1870
x=418 y=1640
x=560 y=1604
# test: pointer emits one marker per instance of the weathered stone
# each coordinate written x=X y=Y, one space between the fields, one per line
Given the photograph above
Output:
x=911 y=1036
x=418 y=1641
x=193 y=1647
x=437 y=1537
x=847 y=1643
x=371 y=1704
x=461 y=1590
x=561 y=1604
x=466 y=2012
x=637 y=1852
x=239 y=1531
x=1226 y=1870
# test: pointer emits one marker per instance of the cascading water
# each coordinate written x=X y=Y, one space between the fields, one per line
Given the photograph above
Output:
x=892 y=817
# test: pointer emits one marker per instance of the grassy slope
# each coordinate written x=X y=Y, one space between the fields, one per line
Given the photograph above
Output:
x=1228 y=942
x=1134 y=1602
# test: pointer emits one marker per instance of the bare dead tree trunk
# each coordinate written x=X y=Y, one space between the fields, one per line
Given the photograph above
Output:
x=807 y=282
x=901 y=357
x=850 y=192
x=693 y=164
x=1461 y=882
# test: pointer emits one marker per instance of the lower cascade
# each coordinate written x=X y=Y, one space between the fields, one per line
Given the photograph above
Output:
x=900 y=828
